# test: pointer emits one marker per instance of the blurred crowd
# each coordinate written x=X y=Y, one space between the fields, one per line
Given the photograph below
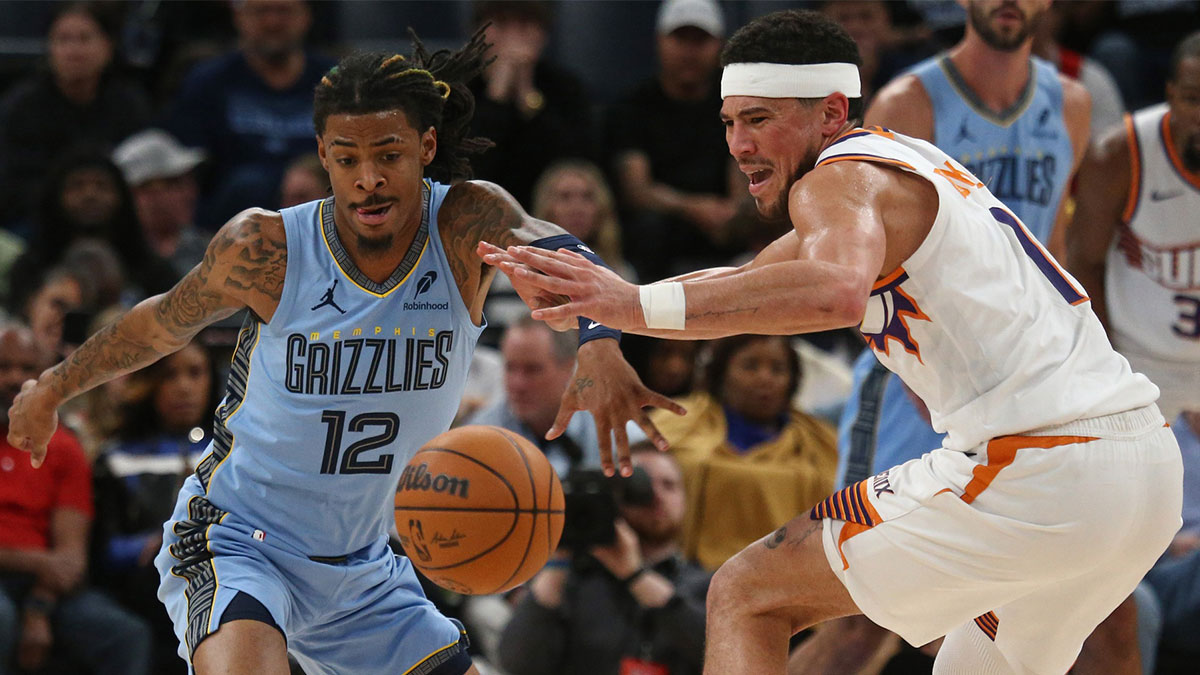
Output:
x=134 y=130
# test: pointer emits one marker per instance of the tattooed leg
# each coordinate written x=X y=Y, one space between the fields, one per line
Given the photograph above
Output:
x=774 y=588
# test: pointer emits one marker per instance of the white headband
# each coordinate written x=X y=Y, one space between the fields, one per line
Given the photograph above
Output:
x=781 y=80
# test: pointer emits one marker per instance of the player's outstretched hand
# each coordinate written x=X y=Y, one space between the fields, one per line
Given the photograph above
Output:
x=32 y=420
x=605 y=385
x=533 y=296
x=593 y=291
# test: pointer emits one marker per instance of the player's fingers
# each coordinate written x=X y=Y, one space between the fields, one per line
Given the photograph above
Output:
x=546 y=282
x=543 y=260
x=564 y=311
x=604 y=436
x=565 y=411
x=659 y=401
x=485 y=248
x=626 y=465
x=37 y=456
x=652 y=432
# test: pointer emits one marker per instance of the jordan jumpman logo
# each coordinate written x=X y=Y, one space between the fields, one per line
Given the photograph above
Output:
x=327 y=299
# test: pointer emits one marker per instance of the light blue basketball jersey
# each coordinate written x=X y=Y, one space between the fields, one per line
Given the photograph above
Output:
x=328 y=401
x=1023 y=155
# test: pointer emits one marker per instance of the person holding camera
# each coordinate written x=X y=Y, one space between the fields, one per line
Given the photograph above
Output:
x=631 y=607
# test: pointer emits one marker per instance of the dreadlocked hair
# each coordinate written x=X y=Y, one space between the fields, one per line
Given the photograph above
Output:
x=430 y=88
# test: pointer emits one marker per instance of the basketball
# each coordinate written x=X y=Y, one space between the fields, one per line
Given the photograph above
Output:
x=479 y=510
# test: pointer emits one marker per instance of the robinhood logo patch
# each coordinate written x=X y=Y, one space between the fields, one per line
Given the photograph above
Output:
x=425 y=283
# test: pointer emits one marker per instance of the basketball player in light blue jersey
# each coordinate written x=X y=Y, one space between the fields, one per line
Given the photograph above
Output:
x=363 y=312
x=1022 y=129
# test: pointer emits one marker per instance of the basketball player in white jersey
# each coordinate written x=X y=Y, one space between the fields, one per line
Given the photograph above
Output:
x=1058 y=484
x=1135 y=241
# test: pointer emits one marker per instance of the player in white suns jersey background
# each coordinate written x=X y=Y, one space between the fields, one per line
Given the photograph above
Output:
x=1059 y=483
x=1135 y=240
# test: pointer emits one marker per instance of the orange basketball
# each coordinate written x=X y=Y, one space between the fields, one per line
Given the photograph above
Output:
x=479 y=510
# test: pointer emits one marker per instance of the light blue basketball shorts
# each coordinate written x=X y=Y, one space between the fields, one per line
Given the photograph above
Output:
x=364 y=613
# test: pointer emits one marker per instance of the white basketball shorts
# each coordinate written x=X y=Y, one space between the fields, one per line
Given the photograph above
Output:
x=1034 y=539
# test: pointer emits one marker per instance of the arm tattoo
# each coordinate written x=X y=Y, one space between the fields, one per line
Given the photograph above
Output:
x=780 y=537
x=475 y=212
x=110 y=352
x=722 y=312
x=244 y=265
x=253 y=261
x=776 y=538
x=583 y=383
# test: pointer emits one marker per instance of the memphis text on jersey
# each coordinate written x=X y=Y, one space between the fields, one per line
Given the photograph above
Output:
x=370 y=361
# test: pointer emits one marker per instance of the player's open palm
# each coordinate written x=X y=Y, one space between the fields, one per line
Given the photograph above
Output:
x=605 y=385
x=32 y=420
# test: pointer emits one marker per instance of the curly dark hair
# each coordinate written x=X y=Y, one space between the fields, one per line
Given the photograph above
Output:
x=430 y=88
x=794 y=37
x=725 y=349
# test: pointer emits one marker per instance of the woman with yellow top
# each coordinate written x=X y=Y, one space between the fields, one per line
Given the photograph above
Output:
x=751 y=461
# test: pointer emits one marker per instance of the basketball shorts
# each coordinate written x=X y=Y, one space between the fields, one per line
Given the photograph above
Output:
x=1178 y=381
x=364 y=613
x=1032 y=540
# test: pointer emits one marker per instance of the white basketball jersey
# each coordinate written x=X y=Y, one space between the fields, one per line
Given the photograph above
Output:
x=1152 y=276
x=980 y=321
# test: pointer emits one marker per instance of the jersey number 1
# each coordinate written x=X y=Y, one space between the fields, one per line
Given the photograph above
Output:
x=335 y=420
x=1038 y=255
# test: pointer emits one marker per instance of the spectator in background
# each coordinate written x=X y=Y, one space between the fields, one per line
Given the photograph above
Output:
x=635 y=606
x=54 y=295
x=674 y=173
x=45 y=609
x=162 y=177
x=85 y=197
x=538 y=363
x=77 y=97
x=870 y=24
x=1137 y=48
x=304 y=180
x=533 y=110
x=751 y=461
x=160 y=439
x=1107 y=106
x=251 y=110
x=573 y=195
x=665 y=366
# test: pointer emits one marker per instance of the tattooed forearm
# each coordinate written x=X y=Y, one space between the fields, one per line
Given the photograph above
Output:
x=243 y=266
x=112 y=351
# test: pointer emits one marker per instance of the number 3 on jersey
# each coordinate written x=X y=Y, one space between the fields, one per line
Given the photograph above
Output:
x=335 y=421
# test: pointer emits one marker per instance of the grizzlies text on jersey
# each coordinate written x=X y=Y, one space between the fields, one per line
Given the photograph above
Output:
x=328 y=401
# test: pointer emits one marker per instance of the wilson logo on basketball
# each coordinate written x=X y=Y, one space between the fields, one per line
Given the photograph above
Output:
x=419 y=478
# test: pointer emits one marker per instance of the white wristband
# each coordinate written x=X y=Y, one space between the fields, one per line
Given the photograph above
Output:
x=663 y=305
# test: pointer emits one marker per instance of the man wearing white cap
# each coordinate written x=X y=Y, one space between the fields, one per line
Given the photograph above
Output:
x=161 y=174
x=669 y=155
x=1058 y=484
